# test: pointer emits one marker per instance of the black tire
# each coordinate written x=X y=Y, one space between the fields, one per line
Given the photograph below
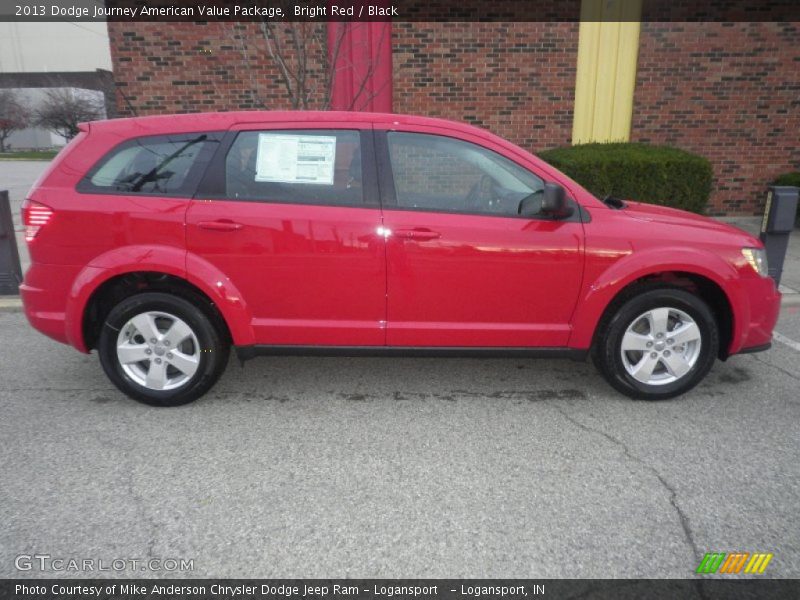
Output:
x=212 y=353
x=607 y=349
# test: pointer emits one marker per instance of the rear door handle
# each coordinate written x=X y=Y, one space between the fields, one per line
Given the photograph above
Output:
x=221 y=225
x=419 y=234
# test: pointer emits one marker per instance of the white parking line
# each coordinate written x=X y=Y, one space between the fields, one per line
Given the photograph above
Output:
x=785 y=340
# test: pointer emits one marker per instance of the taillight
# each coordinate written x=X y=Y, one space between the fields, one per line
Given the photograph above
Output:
x=34 y=216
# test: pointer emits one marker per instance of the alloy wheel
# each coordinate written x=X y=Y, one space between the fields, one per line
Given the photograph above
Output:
x=158 y=350
x=661 y=346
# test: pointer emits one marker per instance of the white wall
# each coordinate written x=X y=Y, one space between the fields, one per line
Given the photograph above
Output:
x=42 y=47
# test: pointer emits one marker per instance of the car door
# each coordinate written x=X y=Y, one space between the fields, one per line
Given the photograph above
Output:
x=463 y=268
x=290 y=215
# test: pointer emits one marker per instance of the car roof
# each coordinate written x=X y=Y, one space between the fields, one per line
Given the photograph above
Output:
x=210 y=121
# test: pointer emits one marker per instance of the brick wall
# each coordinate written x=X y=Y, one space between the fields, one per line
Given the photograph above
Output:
x=188 y=67
x=730 y=92
x=516 y=79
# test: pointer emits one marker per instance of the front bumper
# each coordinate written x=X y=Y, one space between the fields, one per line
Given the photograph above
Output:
x=765 y=306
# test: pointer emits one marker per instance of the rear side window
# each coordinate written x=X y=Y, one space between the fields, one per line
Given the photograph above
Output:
x=162 y=165
x=296 y=166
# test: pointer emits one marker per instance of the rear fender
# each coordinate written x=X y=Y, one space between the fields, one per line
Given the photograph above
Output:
x=159 y=259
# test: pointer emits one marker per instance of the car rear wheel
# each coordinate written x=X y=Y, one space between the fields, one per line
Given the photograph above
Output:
x=161 y=349
x=658 y=344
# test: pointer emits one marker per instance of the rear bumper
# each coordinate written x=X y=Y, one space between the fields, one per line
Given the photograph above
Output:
x=45 y=293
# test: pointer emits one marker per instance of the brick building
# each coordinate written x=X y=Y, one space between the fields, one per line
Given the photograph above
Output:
x=727 y=91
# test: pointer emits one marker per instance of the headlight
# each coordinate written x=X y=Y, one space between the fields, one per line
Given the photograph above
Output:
x=757 y=258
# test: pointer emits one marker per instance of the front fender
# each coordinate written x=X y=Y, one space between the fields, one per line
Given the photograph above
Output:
x=158 y=259
x=596 y=295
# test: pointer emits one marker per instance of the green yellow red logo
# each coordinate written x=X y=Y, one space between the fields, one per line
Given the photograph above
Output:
x=733 y=563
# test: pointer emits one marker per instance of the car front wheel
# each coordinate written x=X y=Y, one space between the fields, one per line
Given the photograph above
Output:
x=161 y=349
x=658 y=344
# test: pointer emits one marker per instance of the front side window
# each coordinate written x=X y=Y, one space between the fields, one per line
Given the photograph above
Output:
x=159 y=165
x=295 y=166
x=438 y=173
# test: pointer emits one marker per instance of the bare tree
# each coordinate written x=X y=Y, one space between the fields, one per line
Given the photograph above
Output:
x=307 y=66
x=62 y=110
x=13 y=116
x=299 y=50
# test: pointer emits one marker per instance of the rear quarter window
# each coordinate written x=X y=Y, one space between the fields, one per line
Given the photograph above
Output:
x=156 y=166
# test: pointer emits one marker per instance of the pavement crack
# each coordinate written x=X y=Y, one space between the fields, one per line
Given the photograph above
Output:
x=781 y=369
x=138 y=500
x=688 y=534
x=141 y=508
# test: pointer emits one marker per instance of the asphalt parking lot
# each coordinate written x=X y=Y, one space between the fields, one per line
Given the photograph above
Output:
x=380 y=467
x=399 y=467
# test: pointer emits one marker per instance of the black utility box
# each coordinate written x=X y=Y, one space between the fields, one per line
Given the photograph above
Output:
x=780 y=213
x=10 y=270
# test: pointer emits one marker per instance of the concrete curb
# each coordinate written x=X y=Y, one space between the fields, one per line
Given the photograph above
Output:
x=790 y=300
x=10 y=304
x=14 y=304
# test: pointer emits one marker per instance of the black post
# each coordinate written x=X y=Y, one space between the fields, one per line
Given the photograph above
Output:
x=779 y=218
x=10 y=269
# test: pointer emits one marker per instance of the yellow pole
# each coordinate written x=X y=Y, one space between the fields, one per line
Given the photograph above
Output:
x=606 y=74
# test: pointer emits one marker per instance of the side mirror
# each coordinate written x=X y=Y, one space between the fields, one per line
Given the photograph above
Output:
x=554 y=201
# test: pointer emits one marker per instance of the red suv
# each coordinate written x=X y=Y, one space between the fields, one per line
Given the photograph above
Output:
x=162 y=241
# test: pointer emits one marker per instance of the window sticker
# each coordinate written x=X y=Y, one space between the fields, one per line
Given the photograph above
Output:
x=296 y=158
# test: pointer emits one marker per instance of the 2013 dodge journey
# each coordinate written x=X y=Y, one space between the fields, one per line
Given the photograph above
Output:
x=162 y=242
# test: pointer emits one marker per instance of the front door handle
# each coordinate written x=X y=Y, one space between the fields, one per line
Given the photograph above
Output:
x=220 y=225
x=419 y=234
